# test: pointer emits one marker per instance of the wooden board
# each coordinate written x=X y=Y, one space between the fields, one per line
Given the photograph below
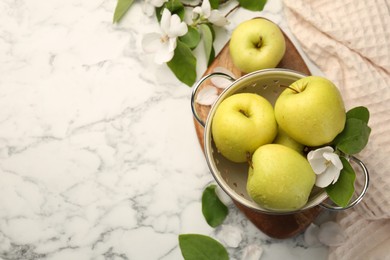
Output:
x=276 y=226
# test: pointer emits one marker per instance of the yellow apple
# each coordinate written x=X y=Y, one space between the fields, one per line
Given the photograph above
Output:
x=257 y=44
x=311 y=111
x=242 y=123
x=284 y=139
x=280 y=178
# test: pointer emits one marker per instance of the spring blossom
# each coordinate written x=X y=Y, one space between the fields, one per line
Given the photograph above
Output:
x=148 y=6
x=326 y=164
x=204 y=12
x=164 y=44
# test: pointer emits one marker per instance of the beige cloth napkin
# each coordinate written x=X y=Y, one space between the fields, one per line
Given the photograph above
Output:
x=349 y=40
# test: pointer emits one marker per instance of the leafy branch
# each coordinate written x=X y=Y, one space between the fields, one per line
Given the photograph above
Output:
x=205 y=16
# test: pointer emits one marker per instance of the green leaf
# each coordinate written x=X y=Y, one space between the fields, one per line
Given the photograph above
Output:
x=361 y=113
x=191 y=38
x=214 y=211
x=212 y=56
x=211 y=30
x=200 y=247
x=183 y=64
x=121 y=9
x=174 y=6
x=214 y=4
x=207 y=36
x=253 y=5
x=354 y=137
x=159 y=11
x=341 y=192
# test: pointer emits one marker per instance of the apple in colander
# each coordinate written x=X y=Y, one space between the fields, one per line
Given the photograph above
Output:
x=280 y=178
x=242 y=123
x=311 y=111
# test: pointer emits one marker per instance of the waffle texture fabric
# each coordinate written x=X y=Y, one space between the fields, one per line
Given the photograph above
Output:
x=349 y=40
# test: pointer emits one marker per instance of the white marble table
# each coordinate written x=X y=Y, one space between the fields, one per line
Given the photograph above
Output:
x=98 y=154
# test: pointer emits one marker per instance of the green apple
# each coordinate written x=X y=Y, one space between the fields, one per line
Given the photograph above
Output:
x=257 y=44
x=311 y=111
x=280 y=178
x=241 y=123
x=284 y=139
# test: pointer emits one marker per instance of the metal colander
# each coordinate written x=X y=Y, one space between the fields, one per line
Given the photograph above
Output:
x=232 y=177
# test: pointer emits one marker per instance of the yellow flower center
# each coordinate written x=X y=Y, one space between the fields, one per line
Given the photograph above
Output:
x=328 y=163
x=164 y=38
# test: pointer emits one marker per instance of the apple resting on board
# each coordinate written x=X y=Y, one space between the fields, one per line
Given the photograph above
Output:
x=257 y=44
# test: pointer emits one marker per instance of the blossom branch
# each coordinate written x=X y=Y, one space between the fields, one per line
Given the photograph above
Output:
x=232 y=10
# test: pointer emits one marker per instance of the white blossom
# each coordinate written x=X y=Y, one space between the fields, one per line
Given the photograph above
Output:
x=148 y=6
x=230 y=235
x=164 y=44
x=221 y=82
x=310 y=236
x=328 y=233
x=223 y=197
x=207 y=96
x=331 y=234
x=252 y=252
x=204 y=12
x=326 y=165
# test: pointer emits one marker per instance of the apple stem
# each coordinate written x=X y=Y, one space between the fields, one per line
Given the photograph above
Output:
x=244 y=113
x=260 y=43
x=296 y=91
x=232 y=10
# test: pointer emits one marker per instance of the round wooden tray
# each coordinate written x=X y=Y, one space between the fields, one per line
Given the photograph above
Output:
x=275 y=226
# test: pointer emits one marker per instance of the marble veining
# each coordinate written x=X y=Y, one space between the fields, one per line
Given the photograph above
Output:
x=99 y=157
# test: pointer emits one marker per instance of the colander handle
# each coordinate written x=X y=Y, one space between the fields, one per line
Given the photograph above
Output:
x=196 y=89
x=362 y=193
